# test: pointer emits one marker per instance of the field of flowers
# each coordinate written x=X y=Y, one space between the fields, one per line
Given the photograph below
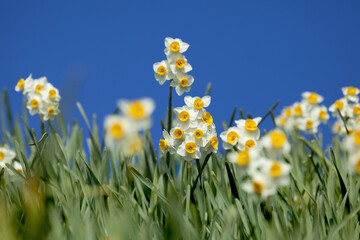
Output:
x=243 y=183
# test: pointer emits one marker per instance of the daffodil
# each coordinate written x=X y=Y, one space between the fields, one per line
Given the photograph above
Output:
x=18 y=167
x=199 y=132
x=48 y=110
x=178 y=135
x=244 y=158
x=50 y=93
x=351 y=93
x=139 y=111
x=35 y=86
x=312 y=98
x=259 y=186
x=189 y=150
x=212 y=144
x=180 y=65
x=342 y=105
x=354 y=110
x=175 y=46
x=162 y=71
x=308 y=125
x=249 y=128
x=197 y=104
x=320 y=113
x=354 y=162
x=275 y=142
x=34 y=103
x=352 y=141
x=278 y=172
x=182 y=83
x=6 y=155
x=117 y=128
x=166 y=144
x=23 y=84
x=230 y=137
x=185 y=116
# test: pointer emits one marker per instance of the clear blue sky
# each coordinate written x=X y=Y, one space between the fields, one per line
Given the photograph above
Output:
x=253 y=52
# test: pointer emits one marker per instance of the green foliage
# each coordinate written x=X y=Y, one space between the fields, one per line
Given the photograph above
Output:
x=66 y=192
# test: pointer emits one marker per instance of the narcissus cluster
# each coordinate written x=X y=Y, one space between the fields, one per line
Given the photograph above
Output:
x=42 y=97
x=347 y=107
x=194 y=132
x=305 y=115
x=122 y=132
x=176 y=67
x=261 y=166
x=243 y=136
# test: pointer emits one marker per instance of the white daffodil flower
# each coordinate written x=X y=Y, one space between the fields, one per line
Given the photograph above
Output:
x=308 y=125
x=189 y=150
x=278 y=172
x=180 y=65
x=312 y=97
x=260 y=186
x=17 y=167
x=212 y=144
x=245 y=159
x=139 y=111
x=199 y=132
x=354 y=110
x=352 y=141
x=178 y=135
x=342 y=105
x=162 y=71
x=299 y=109
x=230 y=137
x=48 y=110
x=351 y=93
x=207 y=118
x=185 y=117
x=22 y=84
x=320 y=113
x=116 y=129
x=35 y=86
x=6 y=155
x=34 y=103
x=182 y=83
x=166 y=144
x=50 y=93
x=175 y=46
x=246 y=143
x=197 y=103
x=275 y=142
x=354 y=162
x=249 y=128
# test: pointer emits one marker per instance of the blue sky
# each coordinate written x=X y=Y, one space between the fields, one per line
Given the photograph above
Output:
x=253 y=52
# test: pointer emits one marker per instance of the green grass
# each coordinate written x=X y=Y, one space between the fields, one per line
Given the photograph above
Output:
x=66 y=193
